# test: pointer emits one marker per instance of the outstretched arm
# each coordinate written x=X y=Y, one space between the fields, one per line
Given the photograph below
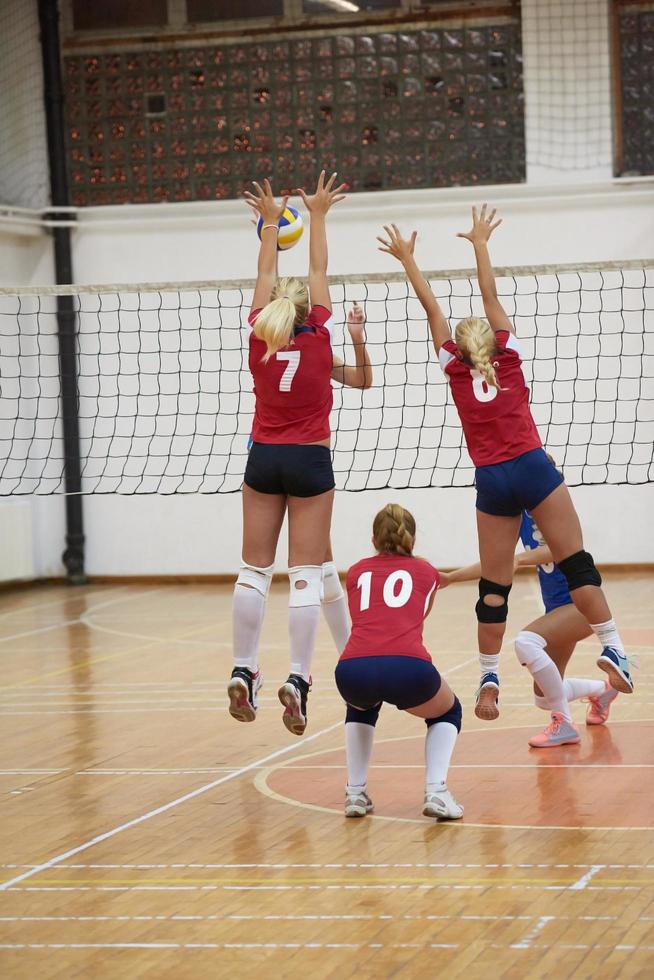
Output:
x=482 y=229
x=264 y=205
x=318 y=205
x=402 y=250
x=359 y=376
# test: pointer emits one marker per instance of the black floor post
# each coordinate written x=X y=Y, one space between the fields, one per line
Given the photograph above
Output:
x=73 y=556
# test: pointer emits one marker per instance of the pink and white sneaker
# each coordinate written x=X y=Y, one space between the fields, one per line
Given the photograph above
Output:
x=560 y=731
x=599 y=706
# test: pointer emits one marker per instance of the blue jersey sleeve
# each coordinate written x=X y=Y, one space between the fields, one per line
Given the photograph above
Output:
x=553 y=584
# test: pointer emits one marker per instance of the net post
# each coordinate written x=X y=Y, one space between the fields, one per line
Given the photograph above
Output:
x=73 y=556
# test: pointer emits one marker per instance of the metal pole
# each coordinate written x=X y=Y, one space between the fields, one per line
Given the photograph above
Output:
x=73 y=556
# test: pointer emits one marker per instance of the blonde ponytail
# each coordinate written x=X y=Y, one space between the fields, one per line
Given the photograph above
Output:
x=394 y=530
x=289 y=304
x=476 y=341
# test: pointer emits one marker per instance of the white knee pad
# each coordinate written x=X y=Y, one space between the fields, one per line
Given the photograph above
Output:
x=256 y=578
x=530 y=651
x=331 y=583
x=309 y=594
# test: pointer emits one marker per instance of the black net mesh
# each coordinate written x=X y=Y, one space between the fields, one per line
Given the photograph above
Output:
x=166 y=403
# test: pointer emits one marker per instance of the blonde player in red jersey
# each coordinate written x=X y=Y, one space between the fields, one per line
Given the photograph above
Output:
x=512 y=472
x=289 y=466
x=385 y=659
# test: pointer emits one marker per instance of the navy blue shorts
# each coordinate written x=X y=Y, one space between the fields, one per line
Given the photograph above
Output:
x=506 y=489
x=293 y=470
x=405 y=682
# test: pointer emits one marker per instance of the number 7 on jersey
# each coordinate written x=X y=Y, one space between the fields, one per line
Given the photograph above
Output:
x=293 y=358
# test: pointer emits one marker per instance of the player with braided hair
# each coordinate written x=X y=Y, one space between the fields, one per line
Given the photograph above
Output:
x=385 y=659
x=483 y=366
x=289 y=466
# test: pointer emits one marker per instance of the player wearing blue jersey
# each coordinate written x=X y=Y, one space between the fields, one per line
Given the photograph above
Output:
x=546 y=645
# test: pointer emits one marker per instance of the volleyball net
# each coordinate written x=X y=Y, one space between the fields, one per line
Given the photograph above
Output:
x=165 y=401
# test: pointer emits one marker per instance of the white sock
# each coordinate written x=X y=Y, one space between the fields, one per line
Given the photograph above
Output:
x=439 y=745
x=334 y=606
x=248 y=609
x=302 y=628
x=489 y=661
x=607 y=634
x=358 y=751
x=576 y=687
x=541 y=702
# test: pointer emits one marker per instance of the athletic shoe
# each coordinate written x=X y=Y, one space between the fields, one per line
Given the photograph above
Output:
x=293 y=695
x=358 y=804
x=600 y=705
x=560 y=731
x=442 y=805
x=487 y=704
x=242 y=691
x=616 y=666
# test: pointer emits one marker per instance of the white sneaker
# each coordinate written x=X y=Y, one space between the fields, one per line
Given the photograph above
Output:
x=358 y=804
x=442 y=805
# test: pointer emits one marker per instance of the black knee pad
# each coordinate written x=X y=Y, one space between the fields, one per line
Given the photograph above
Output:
x=492 y=614
x=367 y=717
x=579 y=569
x=453 y=716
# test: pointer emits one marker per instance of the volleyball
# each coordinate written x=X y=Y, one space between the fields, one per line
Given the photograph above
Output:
x=290 y=229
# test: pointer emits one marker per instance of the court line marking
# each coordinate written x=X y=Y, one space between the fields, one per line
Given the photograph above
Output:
x=524 y=886
x=583 y=881
x=381 y=881
x=345 y=866
x=528 y=938
x=317 y=917
x=623 y=948
x=36 y=869
x=261 y=784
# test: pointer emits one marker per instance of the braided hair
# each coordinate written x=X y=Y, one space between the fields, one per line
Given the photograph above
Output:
x=394 y=530
x=476 y=341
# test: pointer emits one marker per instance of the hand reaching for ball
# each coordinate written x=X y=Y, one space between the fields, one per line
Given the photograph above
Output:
x=400 y=248
x=264 y=204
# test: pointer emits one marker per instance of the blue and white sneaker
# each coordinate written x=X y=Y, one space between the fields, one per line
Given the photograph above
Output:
x=487 y=703
x=616 y=665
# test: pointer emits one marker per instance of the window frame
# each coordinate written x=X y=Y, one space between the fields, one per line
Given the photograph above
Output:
x=293 y=20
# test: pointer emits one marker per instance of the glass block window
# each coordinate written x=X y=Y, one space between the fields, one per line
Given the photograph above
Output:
x=395 y=109
x=636 y=42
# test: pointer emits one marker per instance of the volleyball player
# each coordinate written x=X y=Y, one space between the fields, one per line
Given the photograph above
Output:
x=546 y=645
x=389 y=595
x=483 y=367
x=289 y=465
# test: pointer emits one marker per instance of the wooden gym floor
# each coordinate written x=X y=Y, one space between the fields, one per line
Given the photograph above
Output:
x=144 y=833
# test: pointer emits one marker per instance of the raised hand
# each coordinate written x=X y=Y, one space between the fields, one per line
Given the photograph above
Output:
x=264 y=204
x=482 y=226
x=325 y=195
x=400 y=248
x=356 y=320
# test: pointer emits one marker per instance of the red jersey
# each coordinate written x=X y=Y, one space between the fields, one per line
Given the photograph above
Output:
x=293 y=390
x=498 y=425
x=388 y=597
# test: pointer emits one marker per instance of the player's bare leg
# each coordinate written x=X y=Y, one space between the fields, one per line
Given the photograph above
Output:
x=497 y=541
x=309 y=521
x=559 y=524
x=561 y=630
